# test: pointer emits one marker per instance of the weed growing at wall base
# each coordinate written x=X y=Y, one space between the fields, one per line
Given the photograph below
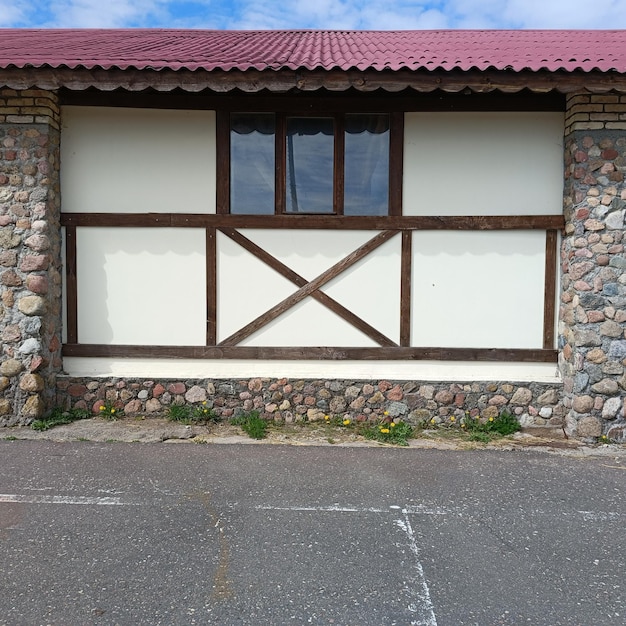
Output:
x=59 y=416
x=397 y=433
x=186 y=414
x=486 y=429
x=252 y=424
x=109 y=411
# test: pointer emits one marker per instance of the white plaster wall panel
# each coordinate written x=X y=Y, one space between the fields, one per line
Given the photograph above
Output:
x=119 y=160
x=483 y=163
x=309 y=323
x=142 y=286
x=478 y=289
x=350 y=370
x=371 y=288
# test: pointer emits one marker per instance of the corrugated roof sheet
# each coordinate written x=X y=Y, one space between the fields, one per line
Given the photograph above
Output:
x=160 y=49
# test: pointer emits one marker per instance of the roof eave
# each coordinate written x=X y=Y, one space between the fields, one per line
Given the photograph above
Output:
x=284 y=80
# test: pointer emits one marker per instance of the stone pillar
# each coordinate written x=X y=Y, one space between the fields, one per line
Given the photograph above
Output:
x=30 y=254
x=592 y=320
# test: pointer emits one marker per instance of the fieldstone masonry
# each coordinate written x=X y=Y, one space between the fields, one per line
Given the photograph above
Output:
x=592 y=318
x=289 y=401
x=30 y=254
x=592 y=321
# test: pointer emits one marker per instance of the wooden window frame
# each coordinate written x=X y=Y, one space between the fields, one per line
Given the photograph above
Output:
x=396 y=150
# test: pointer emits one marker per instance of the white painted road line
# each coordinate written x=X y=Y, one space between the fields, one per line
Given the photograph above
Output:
x=85 y=500
x=420 y=510
x=423 y=608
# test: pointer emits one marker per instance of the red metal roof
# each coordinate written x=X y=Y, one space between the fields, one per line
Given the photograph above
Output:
x=159 y=49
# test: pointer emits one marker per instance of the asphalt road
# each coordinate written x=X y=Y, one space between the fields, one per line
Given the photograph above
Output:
x=270 y=535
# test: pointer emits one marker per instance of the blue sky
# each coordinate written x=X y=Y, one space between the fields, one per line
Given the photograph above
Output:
x=331 y=14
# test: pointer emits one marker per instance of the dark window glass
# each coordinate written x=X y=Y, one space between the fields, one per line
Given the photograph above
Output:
x=310 y=149
x=252 y=163
x=366 y=163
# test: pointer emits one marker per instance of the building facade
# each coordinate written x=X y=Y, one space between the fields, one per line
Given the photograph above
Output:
x=312 y=231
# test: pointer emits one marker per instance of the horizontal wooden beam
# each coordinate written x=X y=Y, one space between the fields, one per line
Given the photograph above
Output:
x=391 y=222
x=320 y=102
x=311 y=353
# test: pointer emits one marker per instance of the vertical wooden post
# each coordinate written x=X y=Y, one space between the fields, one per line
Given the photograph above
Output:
x=550 y=290
x=406 y=264
x=211 y=287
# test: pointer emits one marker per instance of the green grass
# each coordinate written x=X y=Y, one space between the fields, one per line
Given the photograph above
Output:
x=252 y=424
x=188 y=414
x=484 y=430
x=390 y=432
x=59 y=416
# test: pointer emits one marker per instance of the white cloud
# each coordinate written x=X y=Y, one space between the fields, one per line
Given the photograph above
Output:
x=109 y=14
x=330 y=14
x=407 y=14
x=13 y=13
x=566 y=13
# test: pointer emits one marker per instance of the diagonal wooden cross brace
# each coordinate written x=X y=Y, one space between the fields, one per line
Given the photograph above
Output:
x=309 y=288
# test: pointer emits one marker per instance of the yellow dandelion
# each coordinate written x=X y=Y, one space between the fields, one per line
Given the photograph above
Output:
x=452 y=418
x=346 y=422
x=491 y=419
x=326 y=417
x=385 y=412
x=393 y=424
x=432 y=421
x=384 y=430
x=462 y=425
x=102 y=408
x=112 y=410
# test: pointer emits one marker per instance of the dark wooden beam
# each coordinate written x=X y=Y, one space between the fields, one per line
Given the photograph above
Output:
x=334 y=222
x=322 y=101
x=339 y=149
x=311 y=353
x=396 y=163
x=222 y=163
x=71 y=285
x=280 y=165
x=406 y=265
x=549 y=299
x=211 y=287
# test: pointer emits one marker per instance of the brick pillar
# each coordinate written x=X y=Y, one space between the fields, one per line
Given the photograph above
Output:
x=30 y=254
x=592 y=319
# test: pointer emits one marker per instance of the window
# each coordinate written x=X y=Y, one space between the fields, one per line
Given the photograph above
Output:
x=332 y=164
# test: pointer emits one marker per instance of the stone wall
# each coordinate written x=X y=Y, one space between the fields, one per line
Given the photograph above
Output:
x=297 y=400
x=592 y=322
x=30 y=255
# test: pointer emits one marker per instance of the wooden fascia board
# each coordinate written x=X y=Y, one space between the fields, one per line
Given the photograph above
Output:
x=282 y=81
